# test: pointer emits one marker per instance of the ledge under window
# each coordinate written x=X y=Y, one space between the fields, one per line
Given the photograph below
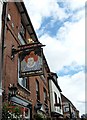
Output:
x=24 y=88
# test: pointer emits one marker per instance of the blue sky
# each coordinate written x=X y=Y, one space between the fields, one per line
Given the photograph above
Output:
x=61 y=27
x=70 y=70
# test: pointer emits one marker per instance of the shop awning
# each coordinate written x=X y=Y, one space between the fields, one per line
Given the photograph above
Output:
x=20 y=101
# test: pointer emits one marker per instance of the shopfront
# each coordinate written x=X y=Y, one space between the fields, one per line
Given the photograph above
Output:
x=21 y=107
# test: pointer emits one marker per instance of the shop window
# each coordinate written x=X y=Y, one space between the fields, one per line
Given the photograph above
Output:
x=26 y=113
x=45 y=96
x=13 y=111
x=37 y=90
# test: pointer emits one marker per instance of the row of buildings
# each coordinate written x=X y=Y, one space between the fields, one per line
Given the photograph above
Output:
x=27 y=81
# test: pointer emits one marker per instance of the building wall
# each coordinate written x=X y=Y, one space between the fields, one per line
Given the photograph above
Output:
x=53 y=89
x=1 y=9
x=33 y=90
x=10 y=68
x=69 y=110
x=10 y=65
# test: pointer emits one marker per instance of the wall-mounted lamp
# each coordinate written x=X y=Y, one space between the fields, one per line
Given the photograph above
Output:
x=29 y=106
x=12 y=90
x=38 y=106
x=13 y=52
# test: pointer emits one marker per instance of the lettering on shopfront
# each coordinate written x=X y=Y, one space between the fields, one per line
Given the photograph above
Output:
x=23 y=95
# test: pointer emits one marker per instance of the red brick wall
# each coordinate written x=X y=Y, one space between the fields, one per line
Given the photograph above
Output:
x=33 y=89
x=10 y=66
x=10 y=70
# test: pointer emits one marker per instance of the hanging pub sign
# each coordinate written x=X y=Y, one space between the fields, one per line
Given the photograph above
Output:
x=31 y=62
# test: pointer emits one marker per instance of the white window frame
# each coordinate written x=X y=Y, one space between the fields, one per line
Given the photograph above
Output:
x=21 y=39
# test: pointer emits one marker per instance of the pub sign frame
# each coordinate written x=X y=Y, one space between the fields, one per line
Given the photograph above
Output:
x=31 y=62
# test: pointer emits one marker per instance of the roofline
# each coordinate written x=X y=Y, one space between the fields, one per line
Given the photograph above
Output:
x=51 y=77
x=46 y=63
x=68 y=100
x=54 y=74
x=28 y=18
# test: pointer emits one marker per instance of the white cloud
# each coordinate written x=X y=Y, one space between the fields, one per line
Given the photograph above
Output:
x=73 y=35
x=74 y=4
x=38 y=10
x=75 y=87
x=67 y=47
x=56 y=53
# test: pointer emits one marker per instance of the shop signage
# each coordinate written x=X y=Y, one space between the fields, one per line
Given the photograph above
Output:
x=31 y=62
x=23 y=95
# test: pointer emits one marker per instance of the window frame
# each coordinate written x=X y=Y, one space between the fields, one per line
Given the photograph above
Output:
x=59 y=102
x=21 y=79
x=37 y=90
x=45 y=95
x=22 y=30
x=55 y=97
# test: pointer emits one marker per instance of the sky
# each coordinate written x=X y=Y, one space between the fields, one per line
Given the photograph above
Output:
x=60 y=25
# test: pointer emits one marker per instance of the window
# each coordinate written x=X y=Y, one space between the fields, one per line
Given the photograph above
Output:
x=43 y=78
x=45 y=95
x=26 y=113
x=59 y=102
x=22 y=30
x=55 y=96
x=21 y=39
x=66 y=109
x=23 y=81
x=22 y=34
x=37 y=90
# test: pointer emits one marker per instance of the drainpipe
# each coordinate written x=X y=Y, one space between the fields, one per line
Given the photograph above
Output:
x=2 y=36
x=1 y=9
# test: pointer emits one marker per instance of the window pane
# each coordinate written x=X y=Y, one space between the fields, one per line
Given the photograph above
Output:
x=45 y=95
x=37 y=90
x=55 y=95
x=22 y=30
x=22 y=81
x=21 y=39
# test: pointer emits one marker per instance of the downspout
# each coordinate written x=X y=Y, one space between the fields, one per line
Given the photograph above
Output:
x=3 y=5
x=1 y=9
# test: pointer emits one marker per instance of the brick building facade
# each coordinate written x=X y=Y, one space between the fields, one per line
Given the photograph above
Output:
x=25 y=87
x=69 y=110
x=31 y=91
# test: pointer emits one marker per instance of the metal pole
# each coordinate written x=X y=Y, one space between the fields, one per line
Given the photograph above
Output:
x=1 y=10
x=2 y=37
